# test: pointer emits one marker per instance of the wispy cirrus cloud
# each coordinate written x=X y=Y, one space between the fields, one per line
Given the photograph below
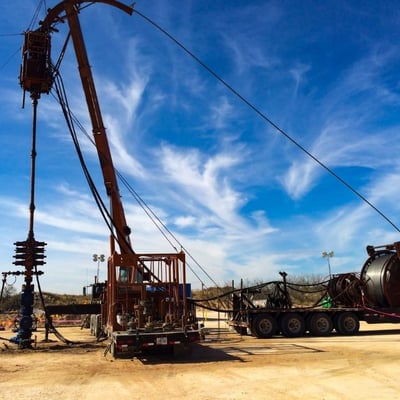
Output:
x=346 y=137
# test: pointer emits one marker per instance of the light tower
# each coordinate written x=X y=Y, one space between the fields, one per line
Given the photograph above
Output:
x=328 y=255
x=98 y=258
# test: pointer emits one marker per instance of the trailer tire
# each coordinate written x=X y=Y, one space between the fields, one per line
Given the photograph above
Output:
x=347 y=323
x=320 y=324
x=264 y=326
x=292 y=325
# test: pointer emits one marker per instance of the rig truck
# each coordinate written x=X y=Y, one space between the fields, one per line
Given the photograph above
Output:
x=145 y=302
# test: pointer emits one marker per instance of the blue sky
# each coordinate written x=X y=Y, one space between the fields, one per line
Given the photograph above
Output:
x=240 y=197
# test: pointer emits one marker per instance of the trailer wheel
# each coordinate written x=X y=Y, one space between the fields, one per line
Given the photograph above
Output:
x=292 y=325
x=264 y=326
x=347 y=323
x=320 y=324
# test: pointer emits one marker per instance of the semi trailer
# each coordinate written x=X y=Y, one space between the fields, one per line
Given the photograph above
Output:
x=372 y=295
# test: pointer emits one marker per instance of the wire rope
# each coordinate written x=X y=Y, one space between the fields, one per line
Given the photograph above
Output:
x=36 y=14
x=71 y=119
x=266 y=119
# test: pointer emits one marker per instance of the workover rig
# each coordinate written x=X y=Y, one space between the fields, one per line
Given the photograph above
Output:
x=145 y=302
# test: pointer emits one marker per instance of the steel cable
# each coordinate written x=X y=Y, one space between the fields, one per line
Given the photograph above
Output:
x=265 y=118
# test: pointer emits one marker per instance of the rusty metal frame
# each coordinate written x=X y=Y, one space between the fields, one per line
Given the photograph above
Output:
x=53 y=14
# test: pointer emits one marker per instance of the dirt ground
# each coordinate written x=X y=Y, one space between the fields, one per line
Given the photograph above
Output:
x=224 y=366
